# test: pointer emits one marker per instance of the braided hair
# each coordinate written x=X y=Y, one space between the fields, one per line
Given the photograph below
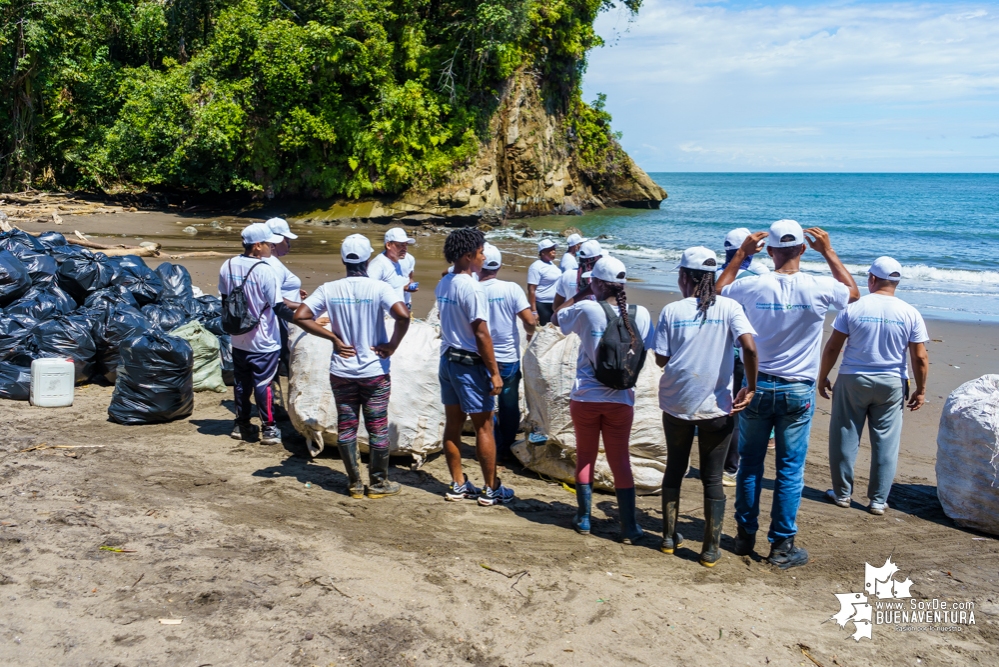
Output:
x=617 y=289
x=462 y=241
x=704 y=289
x=357 y=269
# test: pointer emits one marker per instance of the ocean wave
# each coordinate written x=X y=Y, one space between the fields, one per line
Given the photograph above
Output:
x=919 y=272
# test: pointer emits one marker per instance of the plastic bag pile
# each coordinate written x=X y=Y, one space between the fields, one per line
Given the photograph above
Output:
x=114 y=317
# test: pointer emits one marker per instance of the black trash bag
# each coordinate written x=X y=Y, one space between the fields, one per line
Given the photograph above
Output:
x=14 y=334
x=15 y=382
x=144 y=283
x=42 y=304
x=63 y=252
x=176 y=281
x=14 y=278
x=41 y=267
x=215 y=326
x=225 y=352
x=19 y=237
x=166 y=316
x=117 y=325
x=154 y=382
x=68 y=336
x=210 y=307
x=84 y=274
x=52 y=239
x=110 y=297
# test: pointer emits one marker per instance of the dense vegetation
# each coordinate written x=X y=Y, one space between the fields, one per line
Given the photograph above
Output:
x=315 y=97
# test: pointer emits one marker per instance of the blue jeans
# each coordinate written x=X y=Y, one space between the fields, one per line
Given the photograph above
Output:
x=508 y=411
x=786 y=407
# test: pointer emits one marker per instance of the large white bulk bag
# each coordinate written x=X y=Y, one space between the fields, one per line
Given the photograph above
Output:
x=310 y=403
x=968 y=455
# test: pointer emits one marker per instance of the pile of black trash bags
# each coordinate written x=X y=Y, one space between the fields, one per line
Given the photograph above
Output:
x=110 y=315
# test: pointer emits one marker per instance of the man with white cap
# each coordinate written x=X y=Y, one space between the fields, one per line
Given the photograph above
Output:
x=873 y=382
x=395 y=265
x=787 y=309
x=359 y=368
x=291 y=285
x=256 y=352
x=542 y=279
x=569 y=262
x=571 y=282
x=507 y=302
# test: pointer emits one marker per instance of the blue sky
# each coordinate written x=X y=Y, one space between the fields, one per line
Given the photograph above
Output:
x=855 y=86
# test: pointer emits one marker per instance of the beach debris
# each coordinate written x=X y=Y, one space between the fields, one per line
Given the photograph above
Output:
x=117 y=550
x=517 y=575
x=138 y=580
x=190 y=230
x=308 y=485
x=56 y=218
x=171 y=621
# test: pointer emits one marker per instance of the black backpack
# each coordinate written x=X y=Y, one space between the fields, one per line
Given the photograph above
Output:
x=619 y=361
x=235 y=310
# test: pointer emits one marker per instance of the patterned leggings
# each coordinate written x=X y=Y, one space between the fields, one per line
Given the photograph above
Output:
x=369 y=396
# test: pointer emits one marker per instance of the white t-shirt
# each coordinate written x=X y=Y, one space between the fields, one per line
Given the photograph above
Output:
x=587 y=320
x=697 y=381
x=787 y=312
x=290 y=283
x=357 y=307
x=408 y=264
x=568 y=263
x=880 y=329
x=262 y=291
x=567 y=285
x=505 y=299
x=396 y=274
x=460 y=301
x=545 y=275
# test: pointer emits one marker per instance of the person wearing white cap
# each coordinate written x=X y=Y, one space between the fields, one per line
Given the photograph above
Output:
x=507 y=302
x=569 y=283
x=787 y=309
x=873 y=382
x=569 y=262
x=396 y=264
x=256 y=352
x=359 y=368
x=694 y=338
x=612 y=344
x=291 y=285
x=542 y=279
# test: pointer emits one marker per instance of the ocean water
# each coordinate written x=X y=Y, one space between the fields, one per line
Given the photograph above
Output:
x=943 y=228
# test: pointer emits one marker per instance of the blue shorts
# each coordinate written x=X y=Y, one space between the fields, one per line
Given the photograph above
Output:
x=468 y=386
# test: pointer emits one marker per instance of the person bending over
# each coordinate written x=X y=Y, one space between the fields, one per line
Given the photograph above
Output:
x=542 y=278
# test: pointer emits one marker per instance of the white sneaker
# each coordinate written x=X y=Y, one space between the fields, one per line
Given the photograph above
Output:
x=838 y=502
x=877 y=509
x=728 y=479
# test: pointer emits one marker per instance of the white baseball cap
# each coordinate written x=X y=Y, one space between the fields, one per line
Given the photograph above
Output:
x=609 y=270
x=590 y=249
x=259 y=232
x=886 y=268
x=355 y=249
x=782 y=229
x=280 y=227
x=494 y=258
x=545 y=244
x=574 y=239
x=698 y=258
x=735 y=238
x=398 y=235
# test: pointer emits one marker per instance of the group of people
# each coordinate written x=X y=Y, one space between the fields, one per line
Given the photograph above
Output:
x=740 y=352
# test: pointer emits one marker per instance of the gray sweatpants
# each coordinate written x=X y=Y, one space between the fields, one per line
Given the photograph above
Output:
x=856 y=399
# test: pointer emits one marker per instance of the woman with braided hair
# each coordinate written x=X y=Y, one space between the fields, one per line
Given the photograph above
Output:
x=693 y=346
x=598 y=410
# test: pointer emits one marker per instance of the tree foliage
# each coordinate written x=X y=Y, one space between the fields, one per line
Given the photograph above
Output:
x=313 y=97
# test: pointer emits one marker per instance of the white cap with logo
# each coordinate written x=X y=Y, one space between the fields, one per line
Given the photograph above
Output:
x=494 y=258
x=590 y=249
x=280 y=227
x=735 y=238
x=609 y=270
x=886 y=268
x=545 y=244
x=259 y=232
x=574 y=239
x=355 y=249
x=785 y=234
x=398 y=235
x=698 y=258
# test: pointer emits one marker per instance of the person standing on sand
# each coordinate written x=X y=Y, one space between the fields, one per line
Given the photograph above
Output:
x=542 y=278
x=787 y=309
x=359 y=368
x=291 y=285
x=598 y=410
x=569 y=261
x=469 y=375
x=873 y=382
x=569 y=282
x=395 y=265
x=507 y=302
x=694 y=339
x=256 y=353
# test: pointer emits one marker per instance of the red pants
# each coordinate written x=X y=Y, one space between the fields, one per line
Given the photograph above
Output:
x=613 y=421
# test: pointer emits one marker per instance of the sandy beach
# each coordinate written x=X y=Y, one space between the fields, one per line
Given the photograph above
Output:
x=261 y=568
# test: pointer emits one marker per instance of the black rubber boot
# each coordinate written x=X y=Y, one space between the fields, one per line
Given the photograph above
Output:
x=631 y=532
x=785 y=555
x=348 y=454
x=584 y=499
x=744 y=542
x=714 y=516
x=379 y=484
x=671 y=510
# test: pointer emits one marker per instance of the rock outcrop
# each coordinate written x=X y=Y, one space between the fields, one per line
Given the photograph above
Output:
x=527 y=168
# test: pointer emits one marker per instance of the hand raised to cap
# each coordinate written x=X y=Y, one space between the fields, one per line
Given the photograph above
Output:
x=818 y=240
x=753 y=243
